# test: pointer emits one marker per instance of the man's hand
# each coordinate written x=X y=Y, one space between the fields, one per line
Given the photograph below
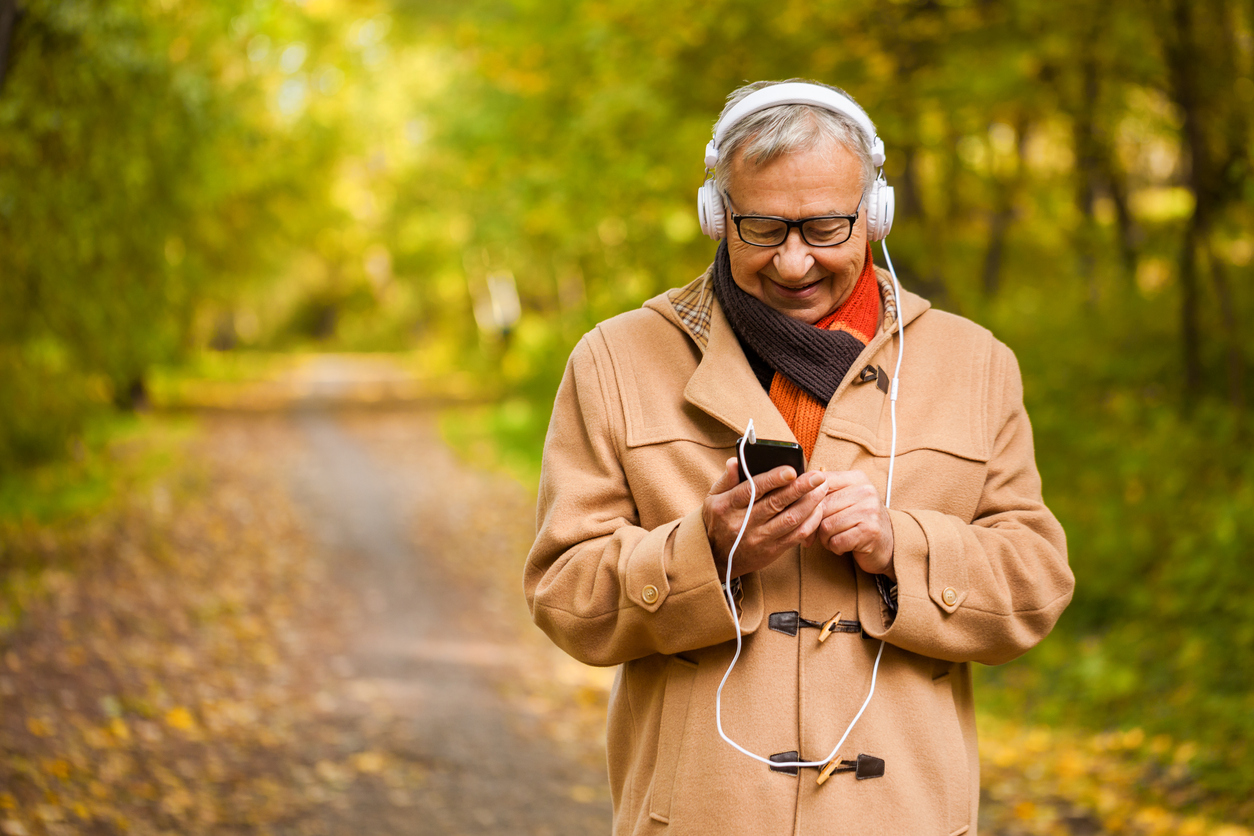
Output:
x=787 y=512
x=855 y=520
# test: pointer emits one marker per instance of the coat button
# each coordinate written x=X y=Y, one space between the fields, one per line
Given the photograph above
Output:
x=949 y=596
x=649 y=594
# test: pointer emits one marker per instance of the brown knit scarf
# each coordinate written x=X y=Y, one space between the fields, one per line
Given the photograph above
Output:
x=809 y=361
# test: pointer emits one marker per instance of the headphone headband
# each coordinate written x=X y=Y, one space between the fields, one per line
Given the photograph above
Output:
x=794 y=92
x=711 y=210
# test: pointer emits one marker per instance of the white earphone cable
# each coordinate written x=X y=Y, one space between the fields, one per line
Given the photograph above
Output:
x=892 y=395
x=753 y=495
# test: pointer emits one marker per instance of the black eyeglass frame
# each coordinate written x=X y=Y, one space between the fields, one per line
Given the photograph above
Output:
x=798 y=224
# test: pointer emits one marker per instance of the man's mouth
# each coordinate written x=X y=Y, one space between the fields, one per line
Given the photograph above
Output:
x=796 y=290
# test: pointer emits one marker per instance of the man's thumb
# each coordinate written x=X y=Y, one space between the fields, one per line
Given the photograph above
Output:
x=728 y=479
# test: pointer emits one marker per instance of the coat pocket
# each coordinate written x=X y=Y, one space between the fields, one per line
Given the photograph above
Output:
x=930 y=472
x=679 y=679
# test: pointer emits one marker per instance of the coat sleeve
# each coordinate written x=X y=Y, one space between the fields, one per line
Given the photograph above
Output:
x=986 y=590
x=603 y=588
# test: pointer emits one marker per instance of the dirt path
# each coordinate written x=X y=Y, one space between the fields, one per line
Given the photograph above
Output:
x=311 y=625
x=436 y=650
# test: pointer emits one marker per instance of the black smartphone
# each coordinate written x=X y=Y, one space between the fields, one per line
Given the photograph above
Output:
x=766 y=455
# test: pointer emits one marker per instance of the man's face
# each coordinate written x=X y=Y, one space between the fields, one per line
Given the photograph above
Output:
x=794 y=278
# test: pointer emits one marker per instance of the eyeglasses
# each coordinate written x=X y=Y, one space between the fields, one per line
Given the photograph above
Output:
x=818 y=231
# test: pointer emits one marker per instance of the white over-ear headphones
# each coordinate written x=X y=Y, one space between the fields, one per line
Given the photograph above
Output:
x=879 y=203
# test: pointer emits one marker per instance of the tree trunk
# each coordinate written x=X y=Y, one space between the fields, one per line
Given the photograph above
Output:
x=1190 y=338
x=8 y=20
x=998 y=226
x=1129 y=232
x=909 y=204
x=1004 y=214
x=1183 y=63
x=1086 y=170
x=1228 y=316
x=131 y=395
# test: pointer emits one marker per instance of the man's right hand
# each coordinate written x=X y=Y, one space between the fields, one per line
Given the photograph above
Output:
x=786 y=513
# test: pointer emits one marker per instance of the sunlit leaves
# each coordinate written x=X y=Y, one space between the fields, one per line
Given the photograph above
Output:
x=143 y=172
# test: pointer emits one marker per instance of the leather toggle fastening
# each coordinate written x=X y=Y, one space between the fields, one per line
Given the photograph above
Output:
x=789 y=623
x=866 y=766
x=875 y=373
x=829 y=627
x=784 y=757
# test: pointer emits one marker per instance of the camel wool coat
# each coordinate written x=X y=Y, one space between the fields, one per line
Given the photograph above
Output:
x=621 y=573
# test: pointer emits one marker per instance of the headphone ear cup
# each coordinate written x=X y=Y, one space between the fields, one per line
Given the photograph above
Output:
x=710 y=210
x=879 y=215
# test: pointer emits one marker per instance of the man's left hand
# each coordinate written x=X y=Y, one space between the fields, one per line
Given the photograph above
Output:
x=855 y=520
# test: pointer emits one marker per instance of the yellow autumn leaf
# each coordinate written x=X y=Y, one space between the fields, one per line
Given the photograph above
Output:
x=1193 y=826
x=369 y=763
x=57 y=767
x=38 y=727
x=180 y=718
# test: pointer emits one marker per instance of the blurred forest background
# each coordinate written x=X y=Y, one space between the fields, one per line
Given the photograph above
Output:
x=194 y=189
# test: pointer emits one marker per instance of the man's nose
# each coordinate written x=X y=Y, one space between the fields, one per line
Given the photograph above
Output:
x=793 y=258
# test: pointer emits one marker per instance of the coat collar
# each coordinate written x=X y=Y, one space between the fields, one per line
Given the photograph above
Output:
x=723 y=384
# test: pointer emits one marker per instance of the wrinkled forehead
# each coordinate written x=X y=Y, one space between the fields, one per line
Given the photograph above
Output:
x=823 y=157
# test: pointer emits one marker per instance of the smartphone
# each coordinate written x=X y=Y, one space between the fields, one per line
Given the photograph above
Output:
x=766 y=455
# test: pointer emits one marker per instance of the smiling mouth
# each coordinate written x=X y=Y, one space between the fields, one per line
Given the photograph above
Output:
x=796 y=288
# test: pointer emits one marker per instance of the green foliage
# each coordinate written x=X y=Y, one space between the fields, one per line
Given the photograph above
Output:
x=114 y=457
x=1158 y=505
x=147 y=168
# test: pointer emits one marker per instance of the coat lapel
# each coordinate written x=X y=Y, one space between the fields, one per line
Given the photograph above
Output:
x=725 y=387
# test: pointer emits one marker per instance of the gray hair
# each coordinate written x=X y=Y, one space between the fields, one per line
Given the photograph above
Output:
x=769 y=134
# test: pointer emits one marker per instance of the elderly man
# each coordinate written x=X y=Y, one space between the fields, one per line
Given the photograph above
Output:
x=822 y=683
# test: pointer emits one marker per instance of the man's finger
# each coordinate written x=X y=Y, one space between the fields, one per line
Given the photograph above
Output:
x=727 y=480
x=841 y=479
x=811 y=525
x=797 y=515
x=775 y=478
x=852 y=496
x=849 y=539
x=783 y=495
x=765 y=483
